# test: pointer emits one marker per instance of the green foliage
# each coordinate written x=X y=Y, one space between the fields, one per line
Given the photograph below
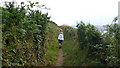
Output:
x=29 y=38
x=71 y=51
x=24 y=34
x=73 y=55
x=69 y=32
x=51 y=45
x=103 y=49
x=90 y=38
x=82 y=35
x=112 y=42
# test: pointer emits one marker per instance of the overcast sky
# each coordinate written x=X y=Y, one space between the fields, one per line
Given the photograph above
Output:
x=96 y=12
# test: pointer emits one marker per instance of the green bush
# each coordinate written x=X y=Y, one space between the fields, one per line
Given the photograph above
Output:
x=24 y=34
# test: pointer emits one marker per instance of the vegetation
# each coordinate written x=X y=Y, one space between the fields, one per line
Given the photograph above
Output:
x=29 y=38
x=69 y=32
x=80 y=50
x=70 y=47
x=51 y=45
x=90 y=47
x=25 y=34
x=112 y=41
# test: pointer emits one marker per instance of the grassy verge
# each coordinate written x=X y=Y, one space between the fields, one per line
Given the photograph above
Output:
x=74 y=56
x=50 y=57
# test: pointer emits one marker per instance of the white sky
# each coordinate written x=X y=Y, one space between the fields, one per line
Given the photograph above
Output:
x=96 y=12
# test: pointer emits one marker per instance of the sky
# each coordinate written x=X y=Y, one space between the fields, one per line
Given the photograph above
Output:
x=69 y=12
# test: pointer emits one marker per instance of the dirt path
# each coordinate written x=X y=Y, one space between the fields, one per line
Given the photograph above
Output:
x=60 y=58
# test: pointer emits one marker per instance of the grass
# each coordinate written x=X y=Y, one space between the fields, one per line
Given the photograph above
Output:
x=51 y=55
x=74 y=56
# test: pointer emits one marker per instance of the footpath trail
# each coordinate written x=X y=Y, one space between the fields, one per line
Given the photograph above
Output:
x=60 y=58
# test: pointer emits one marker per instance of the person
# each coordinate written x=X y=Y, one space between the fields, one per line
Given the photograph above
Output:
x=60 y=38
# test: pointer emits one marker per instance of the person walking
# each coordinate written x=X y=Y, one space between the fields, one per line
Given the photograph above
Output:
x=60 y=38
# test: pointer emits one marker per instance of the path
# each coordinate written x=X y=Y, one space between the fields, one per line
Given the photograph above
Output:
x=60 y=58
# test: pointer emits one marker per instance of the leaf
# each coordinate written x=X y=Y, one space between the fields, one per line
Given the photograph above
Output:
x=37 y=3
